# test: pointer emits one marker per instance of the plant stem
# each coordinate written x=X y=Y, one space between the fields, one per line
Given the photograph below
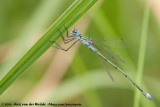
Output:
x=68 y=18
x=142 y=48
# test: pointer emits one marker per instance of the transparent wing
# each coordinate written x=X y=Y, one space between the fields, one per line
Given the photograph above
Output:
x=112 y=42
x=107 y=53
x=102 y=61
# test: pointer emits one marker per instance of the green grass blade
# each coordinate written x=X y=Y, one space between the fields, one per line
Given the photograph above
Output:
x=47 y=8
x=91 y=94
x=143 y=43
x=72 y=14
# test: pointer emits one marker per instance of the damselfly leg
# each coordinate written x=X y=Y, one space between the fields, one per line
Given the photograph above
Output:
x=65 y=41
x=59 y=47
x=69 y=38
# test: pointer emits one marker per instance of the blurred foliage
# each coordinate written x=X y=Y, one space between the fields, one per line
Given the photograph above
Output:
x=85 y=80
x=14 y=15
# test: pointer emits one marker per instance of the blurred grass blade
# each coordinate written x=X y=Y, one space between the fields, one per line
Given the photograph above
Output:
x=90 y=94
x=103 y=23
x=33 y=26
x=69 y=17
x=142 y=48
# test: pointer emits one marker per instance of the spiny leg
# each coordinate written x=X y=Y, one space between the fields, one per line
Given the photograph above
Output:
x=65 y=42
x=67 y=32
x=70 y=38
x=59 y=47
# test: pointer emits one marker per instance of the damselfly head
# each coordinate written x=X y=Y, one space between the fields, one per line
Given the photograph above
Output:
x=75 y=31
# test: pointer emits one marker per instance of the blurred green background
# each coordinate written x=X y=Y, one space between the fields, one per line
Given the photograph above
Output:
x=77 y=76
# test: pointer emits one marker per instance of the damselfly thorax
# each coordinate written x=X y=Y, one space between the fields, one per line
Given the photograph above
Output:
x=86 y=40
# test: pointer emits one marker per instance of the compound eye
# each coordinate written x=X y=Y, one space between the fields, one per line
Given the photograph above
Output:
x=75 y=31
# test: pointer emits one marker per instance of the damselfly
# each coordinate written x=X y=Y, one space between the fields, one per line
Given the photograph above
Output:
x=100 y=52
